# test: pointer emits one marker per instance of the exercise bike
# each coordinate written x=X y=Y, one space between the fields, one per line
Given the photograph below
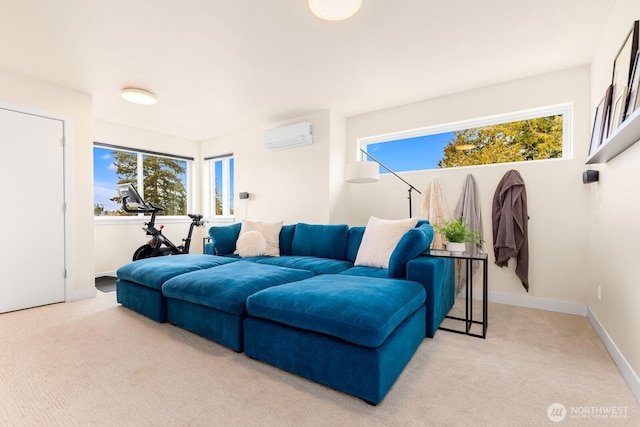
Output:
x=159 y=245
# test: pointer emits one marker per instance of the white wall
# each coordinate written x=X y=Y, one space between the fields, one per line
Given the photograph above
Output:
x=557 y=199
x=292 y=185
x=115 y=242
x=613 y=205
x=77 y=108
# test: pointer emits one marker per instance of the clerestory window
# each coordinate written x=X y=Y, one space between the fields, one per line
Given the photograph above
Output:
x=533 y=135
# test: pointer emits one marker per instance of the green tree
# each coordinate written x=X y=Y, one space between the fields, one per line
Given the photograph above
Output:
x=161 y=180
x=218 y=201
x=532 y=139
x=98 y=209
x=162 y=184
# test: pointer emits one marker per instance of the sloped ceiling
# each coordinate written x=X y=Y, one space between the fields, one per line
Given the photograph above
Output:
x=218 y=66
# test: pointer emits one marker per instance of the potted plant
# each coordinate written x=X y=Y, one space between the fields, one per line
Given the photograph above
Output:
x=457 y=234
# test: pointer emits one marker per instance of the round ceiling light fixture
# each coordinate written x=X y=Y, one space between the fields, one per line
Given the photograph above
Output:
x=334 y=10
x=138 y=96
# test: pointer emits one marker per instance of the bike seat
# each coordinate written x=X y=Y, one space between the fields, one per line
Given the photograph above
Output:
x=196 y=217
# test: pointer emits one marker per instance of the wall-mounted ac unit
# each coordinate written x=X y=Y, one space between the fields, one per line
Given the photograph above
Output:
x=288 y=136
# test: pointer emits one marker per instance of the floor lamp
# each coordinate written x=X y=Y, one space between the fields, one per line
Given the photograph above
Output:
x=364 y=172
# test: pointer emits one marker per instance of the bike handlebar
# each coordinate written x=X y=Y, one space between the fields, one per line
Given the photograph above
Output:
x=145 y=208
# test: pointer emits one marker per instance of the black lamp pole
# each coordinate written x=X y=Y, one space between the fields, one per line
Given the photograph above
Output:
x=411 y=187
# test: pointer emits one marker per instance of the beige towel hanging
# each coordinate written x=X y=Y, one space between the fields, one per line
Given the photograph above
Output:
x=434 y=209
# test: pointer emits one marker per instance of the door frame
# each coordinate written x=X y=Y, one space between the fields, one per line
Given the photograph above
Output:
x=67 y=198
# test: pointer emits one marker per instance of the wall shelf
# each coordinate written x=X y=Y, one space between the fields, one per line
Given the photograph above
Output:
x=627 y=134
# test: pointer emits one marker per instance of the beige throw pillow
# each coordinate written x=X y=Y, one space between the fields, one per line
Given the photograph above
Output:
x=270 y=232
x=380 y=239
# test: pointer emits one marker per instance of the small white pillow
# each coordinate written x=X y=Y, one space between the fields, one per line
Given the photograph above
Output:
x=269 y=230
x=251 y=243
x=380 y=239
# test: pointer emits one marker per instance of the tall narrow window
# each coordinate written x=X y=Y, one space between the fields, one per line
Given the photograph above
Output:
x=160 y=179
x=222 y=188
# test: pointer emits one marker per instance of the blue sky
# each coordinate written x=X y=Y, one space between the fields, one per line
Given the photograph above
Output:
x=104 y=178
x=411 y=154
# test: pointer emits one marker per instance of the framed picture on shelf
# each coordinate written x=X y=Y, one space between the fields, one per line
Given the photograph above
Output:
x=633 y=101
x=617 y=111
x=623 y=68
x=599 y=121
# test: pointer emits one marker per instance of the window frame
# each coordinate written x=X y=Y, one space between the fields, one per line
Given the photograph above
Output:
x=140 y=153
x=566 y=110
x=227 y=177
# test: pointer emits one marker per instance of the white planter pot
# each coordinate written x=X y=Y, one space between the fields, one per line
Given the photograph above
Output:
x=456 y=247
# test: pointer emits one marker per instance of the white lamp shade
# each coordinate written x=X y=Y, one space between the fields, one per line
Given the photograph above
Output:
x=334 y=10
x=362 y=172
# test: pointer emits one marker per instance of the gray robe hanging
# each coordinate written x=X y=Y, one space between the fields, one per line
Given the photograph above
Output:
x=468 y=208
x=510 y=229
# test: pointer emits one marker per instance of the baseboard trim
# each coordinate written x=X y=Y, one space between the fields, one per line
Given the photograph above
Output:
x=78 y=295
x=630 y=376
x=535 y=302
x=624 y=367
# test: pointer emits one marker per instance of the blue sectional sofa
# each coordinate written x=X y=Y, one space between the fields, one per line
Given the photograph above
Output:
x=309 y=311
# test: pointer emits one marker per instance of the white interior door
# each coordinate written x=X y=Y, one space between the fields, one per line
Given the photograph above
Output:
x=31 y=210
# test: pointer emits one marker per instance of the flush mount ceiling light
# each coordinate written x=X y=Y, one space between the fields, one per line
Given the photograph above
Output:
x=334 y=10
x=138 y=96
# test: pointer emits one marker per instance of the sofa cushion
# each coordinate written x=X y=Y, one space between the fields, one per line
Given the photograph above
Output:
x=312 y=264
x=286 y=238
x=353 y=244
x=381 y=273
x=380 y=238
x=227 y=287
x=360 y=310
x=224 y=238
x=413 y=243
x=324 y=241
x=153 y=272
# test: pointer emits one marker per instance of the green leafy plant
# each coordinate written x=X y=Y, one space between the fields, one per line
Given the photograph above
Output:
x=456 y=231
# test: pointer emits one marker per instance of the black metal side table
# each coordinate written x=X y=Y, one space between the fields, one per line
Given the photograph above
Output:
x=468 y=258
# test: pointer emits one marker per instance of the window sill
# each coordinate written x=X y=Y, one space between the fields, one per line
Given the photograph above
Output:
x=138 y=220
x=220 y=220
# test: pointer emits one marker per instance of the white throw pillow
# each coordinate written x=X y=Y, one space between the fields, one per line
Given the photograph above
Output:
x=251 y=243
x=380 y=239
x=269 y=230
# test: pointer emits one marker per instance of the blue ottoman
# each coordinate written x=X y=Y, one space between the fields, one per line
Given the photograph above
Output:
x=212 y=302
x=355 y=334
x=139 y=283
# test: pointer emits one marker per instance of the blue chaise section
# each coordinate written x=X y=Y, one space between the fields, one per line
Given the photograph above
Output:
x=351 y=333
x=212 y=302
x=139 y=284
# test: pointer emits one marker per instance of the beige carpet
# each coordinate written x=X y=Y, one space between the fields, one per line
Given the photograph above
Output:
x=94 y=362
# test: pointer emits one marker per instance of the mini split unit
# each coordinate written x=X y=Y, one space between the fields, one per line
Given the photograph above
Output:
x=288 y=136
